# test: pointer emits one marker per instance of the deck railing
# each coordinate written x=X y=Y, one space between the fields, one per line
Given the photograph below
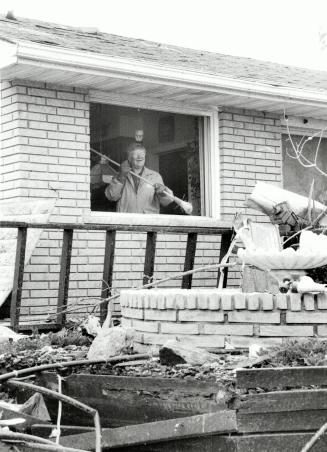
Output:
x=68 y=232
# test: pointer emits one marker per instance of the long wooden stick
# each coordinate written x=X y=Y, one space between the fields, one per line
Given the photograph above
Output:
x=132 y=172
x=45 y=447
x=64 y=364
x=33 y=441
x=315 y=438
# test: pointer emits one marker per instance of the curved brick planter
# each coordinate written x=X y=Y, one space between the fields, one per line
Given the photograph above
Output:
x=210 y=318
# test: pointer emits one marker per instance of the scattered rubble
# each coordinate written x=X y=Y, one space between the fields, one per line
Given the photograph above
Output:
x=175 y=352
x=112 y=342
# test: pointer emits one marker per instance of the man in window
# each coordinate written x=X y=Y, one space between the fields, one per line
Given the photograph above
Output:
x=133 y=194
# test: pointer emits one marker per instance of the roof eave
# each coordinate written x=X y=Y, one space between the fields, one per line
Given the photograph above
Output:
x=115 y=67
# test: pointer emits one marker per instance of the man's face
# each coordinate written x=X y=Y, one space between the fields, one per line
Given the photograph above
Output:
x=136 y=159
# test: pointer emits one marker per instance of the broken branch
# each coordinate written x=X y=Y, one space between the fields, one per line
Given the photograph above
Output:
x=315 y=438
x=62 y=365
x=69 y=400
x=148 y=285
x=33 y=441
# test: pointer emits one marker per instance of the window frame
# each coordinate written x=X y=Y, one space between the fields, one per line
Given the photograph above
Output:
x=209 y=160
x=304 y=126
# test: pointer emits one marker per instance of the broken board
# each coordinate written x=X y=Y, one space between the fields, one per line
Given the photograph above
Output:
x=133 y=400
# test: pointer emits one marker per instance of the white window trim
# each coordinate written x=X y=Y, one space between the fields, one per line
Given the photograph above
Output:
x=303 y=125
x=209 y=162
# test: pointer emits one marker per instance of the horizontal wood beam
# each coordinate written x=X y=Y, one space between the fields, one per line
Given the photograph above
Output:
x=224 y=227
x=279 y=377
x=154 y=432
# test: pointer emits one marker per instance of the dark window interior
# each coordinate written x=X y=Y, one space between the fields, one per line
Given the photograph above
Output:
x=298 y=178
x=171 y=141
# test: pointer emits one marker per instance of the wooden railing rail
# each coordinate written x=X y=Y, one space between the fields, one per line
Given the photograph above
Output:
x=225 y=231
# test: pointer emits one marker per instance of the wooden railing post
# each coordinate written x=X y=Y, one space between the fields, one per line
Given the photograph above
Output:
x=226 y=238
x=150 y=253
x=108 y=266
x=16 y=296
x=189 y=259
x=66 y=253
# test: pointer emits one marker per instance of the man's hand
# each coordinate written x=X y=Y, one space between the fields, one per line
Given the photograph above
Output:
x=124 y=170
x=162 y=190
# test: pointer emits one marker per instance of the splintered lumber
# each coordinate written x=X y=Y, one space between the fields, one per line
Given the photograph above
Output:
x=286 y=421
x=282 y=377
x=153 y=432
x=278 y=442
x=133 y=400
x=278 y=401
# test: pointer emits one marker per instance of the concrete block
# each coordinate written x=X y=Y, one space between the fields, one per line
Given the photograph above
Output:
x=246 y=341
x=179 y=328
x=154 y=314
x=190 y=302
x=132 y=313
x=126 y=322
x=146 y=300
x=201 y=316
x=179 y=301
x=226 y=302
x=267 y=301
x=322 y=301
x=235 y=330
x=253 y=301
x=149 y=327
x=309 y=302
x=281 y=301
x=295 y=301
x=286 y=330
x=253 y=317
x=213 y=301
x=157 y=339
x=306 y=317
x=139 y=300
x=202 y=300
x=153 y=301
x=208 y=341
x=170 y=301
x=239 y=300
x=322 y=330
x=161 y=301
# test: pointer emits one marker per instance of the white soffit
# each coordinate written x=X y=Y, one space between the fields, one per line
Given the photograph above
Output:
x=94 y=71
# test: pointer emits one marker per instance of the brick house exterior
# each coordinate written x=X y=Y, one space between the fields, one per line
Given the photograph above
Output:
x=45 y=139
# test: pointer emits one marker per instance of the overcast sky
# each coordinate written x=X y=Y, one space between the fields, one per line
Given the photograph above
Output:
x=285 y=31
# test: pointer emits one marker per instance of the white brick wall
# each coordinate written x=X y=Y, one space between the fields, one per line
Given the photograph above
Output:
x=211 y=318
x=45 y=153
x=250 y=151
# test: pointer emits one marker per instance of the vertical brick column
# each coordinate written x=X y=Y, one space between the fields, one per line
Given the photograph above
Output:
x=45 y=155
x=250 y=151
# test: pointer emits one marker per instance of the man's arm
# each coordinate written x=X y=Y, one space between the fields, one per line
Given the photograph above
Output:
x=114 y=190
x=161 y=190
